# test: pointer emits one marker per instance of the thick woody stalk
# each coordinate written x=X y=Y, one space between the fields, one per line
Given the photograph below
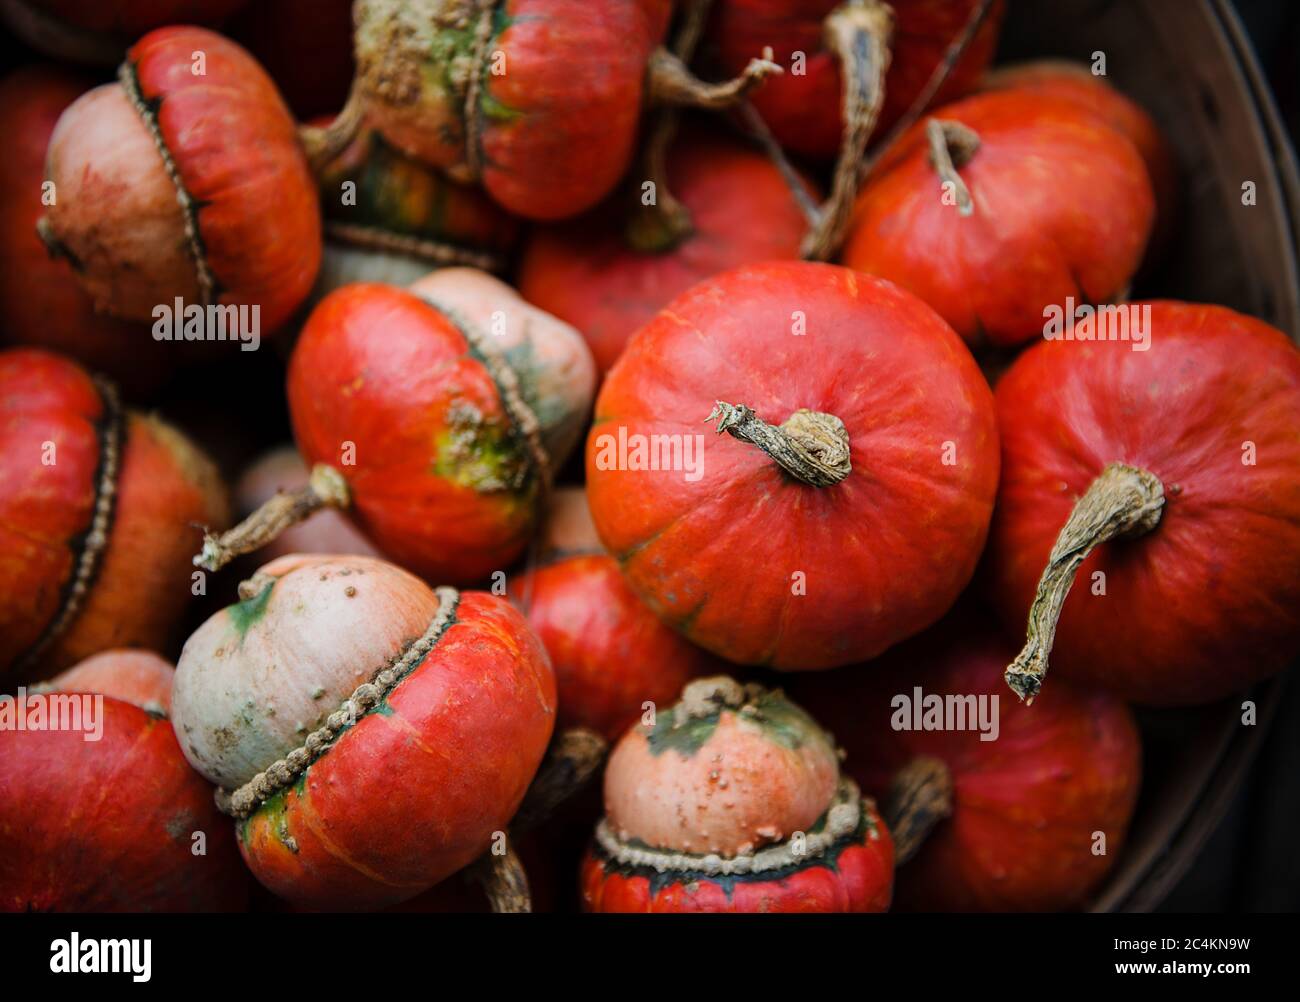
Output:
x=937 y=79
x=504 y=882
x=672 y=84
x=326 y=488
x=920 y=796
x=573 y=758
x=858 y=32
x=665 y=222
x=1122 y=501
x=324 y=143
x=811 y=446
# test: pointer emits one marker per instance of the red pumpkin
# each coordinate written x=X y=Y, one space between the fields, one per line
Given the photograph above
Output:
x=803 y=106
x=98 y=31
x=537 y=99
x=1059 y=78
x=134 y=676
x=611 y=654
x=371 y=735
x=1026 y=805
x=174 y=183
x=587 y=272
x=1044 y=201
x=433 y=416
x=108 y=824
x=859 y=519
x=1168 y=481
x=732 y=801
x=39 y=300
x=97 y=510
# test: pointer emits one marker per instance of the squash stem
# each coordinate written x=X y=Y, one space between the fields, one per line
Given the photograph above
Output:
x=504 y=881
x=858 y=32
x=672 y=84
x=1122 y=501
x=325 y=489
x=952 y=145
x=811 y=446
x=920 y=796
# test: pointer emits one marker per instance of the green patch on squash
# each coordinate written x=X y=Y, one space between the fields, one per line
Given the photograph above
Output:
x=685 y=739
x=245 y=613
x=485 y=456
x=451 y=59
x=782 y=722
x=274 y=811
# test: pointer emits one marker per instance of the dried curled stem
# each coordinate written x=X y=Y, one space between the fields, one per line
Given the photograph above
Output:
x=1122 y=501
x=811 y=446
x=665 y=222
x=952 y=145
x=573 y=758
x=672 y=84
x=920 y=796
x=325 y=488
x=324 y=143
x=705 y=697
x=858 y=32
x=937 y=79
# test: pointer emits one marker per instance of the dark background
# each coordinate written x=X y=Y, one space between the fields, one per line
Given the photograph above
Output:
x=1252 y=862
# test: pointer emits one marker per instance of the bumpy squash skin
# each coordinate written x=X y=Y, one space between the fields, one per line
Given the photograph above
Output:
x=709 y=780
x=883 y=553
x=108 y=825
x=415 y=790
x=1208 y=601
x=557 y=117
x=860 y=880
x=550 y=360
